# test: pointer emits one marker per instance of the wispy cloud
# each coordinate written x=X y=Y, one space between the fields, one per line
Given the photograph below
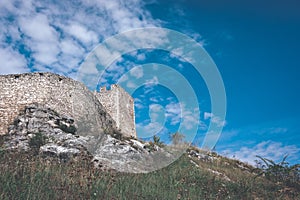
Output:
x=272 y=130
x=57 y=35
x=173 y=113
x=155 y=125
x=267 y=149
x=138 y=103
x=137 y=72
x=188 y=117
x=12 y=61
x=214 y=119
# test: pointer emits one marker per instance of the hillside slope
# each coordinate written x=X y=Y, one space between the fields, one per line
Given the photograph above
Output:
x=25 y=176
x=42 y=157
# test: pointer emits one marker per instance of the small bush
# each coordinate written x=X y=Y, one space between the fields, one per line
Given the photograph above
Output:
x=279 y=172
x=118 y=135
x=115 y=134
x=37 y=141
x=150 y=146
x=177 y=138
x=16 y=122
x=68 y=129
x=156 y=140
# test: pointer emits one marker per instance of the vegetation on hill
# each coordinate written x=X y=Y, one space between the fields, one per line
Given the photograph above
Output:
x=29 y=176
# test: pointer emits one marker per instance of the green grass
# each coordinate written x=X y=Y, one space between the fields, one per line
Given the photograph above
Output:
x=25 y=176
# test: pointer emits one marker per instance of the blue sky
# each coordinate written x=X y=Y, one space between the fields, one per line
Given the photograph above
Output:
x=254 y=44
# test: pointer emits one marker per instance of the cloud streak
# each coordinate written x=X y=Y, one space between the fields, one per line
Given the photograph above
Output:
x=214 y=119
x=266 y=149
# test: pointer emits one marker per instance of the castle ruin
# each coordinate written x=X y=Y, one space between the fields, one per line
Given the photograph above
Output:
x=120 y=105
x=94 y=113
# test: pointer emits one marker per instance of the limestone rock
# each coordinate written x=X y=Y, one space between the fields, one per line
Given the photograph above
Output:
x=59 y=151
x=40 y=127
x=47 y=132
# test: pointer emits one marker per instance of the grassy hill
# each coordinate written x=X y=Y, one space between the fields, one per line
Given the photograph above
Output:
x=29 y=176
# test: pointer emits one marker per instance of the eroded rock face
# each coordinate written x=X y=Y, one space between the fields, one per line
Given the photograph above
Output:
x=130 y=155
x=44 y=129
x=47 y=132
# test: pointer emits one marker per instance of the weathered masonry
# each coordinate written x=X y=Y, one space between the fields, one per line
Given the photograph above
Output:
x=120 y=105
x=68 y=97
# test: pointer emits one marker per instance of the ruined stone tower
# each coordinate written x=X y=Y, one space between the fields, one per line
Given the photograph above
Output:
x=120 y=106
x=93 y=113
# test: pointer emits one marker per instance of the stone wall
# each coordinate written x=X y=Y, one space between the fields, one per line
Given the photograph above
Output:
x=64 y=95
x=120 y=105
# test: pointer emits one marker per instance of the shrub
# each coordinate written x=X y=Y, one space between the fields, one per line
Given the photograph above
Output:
x=177 y=138
x=68 y=129
x=37 y=141
x=156 y=140
x=150 y=146
x=279 y=172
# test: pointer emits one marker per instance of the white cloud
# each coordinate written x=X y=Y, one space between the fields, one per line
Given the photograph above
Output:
x=141 y=57
x=82 y=34
x=70 y=47
x=272 y=130
x=156 y=107
x=149 y=129
x=173 y=113
x=131 y=84
x=41 y=38
x=156 y=111
x=156 y=99
x=191 y=119
x=214 y=119
x=37 y=27
x=207 y=115
x=124 y=13
x=151 y=82
x=138 y=103
x=17 y=62
x=6 y=5
x=123 y=78
x=266 y=149
x=137 y=72
x=58 y=34
x=218 y=121
x=179 y=113
x=156 y=124
x=278 y=130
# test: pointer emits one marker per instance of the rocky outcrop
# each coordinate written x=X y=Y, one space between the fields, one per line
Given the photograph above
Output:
x=130 y=155
x=43 y=130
